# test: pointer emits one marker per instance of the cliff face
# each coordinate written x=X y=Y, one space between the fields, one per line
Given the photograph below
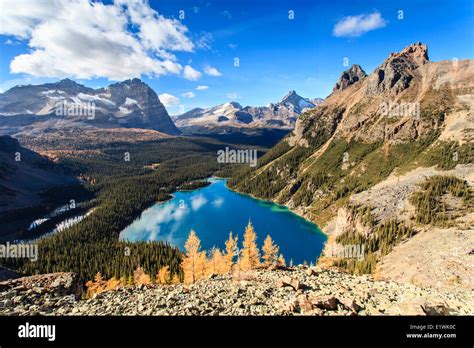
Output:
x=296 y=291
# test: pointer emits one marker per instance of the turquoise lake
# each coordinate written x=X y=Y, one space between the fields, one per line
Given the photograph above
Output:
x=215 y=210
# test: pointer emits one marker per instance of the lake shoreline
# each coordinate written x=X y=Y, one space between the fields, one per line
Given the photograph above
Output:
x=298 y=237
x=296 y=212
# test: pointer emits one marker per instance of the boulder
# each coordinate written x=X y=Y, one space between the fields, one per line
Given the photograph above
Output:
x=440 y=309
x=324 y=302
x=305 y=304
x=288 y=281
x=349 y=303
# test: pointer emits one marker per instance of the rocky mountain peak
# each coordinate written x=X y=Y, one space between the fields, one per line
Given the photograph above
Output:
x=350 y=76
x=135 y=83
x=67 y=83
x=290 y=94
x=416 y=53
x=396 y=72
x=232 y=104
x=291 y=97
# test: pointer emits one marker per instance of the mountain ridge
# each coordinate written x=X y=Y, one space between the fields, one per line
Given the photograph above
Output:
x=128 y=104
x=216 y=119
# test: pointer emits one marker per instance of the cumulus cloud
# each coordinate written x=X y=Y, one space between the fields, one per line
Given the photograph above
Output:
x=190 y=73
x=202 y=87
x=168 y=99
x=209 y=70
x=86 y=39
x=354 y=26
x=188 y=95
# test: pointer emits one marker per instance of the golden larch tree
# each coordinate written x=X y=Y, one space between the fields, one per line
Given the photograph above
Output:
x=215 y=262
x=175 y=280
x=193 y=260
x=230 y=253
x=270 y=251
x=163 y=276
x=281 y=260
x=140 y=277
x=250 y=254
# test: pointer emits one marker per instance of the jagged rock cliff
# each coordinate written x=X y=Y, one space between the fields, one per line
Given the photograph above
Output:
x=354 y=74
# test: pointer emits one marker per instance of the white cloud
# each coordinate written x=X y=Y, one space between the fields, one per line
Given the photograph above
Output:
x=209 y=70
x=85 y=39
x=354 y=26
x=168 y=99
x=188 y=95
x=190 y=73
x=202 y=87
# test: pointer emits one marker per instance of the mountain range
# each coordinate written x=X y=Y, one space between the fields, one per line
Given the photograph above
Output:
x=232 y=116
x=39 y=108
x=27 y=111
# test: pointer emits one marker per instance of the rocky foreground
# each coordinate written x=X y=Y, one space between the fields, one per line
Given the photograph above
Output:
x=299 y=291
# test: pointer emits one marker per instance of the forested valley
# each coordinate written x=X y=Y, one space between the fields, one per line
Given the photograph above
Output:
x=119 y=182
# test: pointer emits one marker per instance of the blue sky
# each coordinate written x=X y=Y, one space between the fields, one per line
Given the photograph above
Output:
x=41 y=43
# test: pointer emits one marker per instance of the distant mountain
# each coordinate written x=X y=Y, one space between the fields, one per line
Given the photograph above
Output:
x=232 y=116
x=127 y=104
